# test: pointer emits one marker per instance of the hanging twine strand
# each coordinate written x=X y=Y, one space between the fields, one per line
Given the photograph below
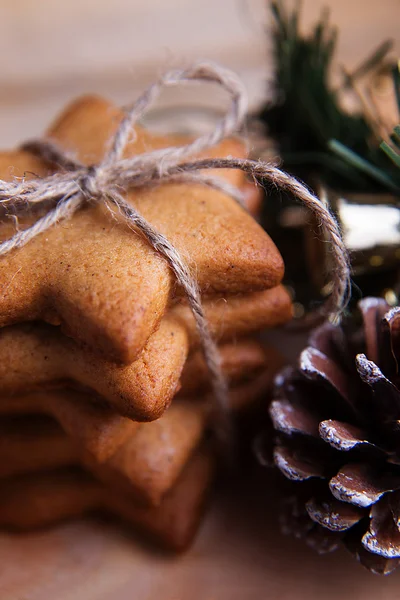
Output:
x=77 y=185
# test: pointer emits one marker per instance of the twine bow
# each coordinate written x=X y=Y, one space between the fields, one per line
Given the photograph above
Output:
x=76 y=185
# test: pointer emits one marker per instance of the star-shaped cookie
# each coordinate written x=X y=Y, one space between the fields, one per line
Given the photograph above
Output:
x=104 y=284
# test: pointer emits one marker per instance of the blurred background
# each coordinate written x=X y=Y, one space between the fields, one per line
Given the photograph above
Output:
x=54 y=50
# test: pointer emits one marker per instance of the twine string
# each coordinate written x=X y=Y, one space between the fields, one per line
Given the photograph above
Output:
x=76 y=185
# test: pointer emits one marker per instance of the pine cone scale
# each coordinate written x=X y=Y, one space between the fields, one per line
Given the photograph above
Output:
x=316 y=366
x=332 y=514
x=343 y=436
x=383 y=537
x=373 y=311
x=296 y=468
x=296 y=522
x=383 y=391
x=291 y=419
x=373 y=562
x=337 y=418
x=361 y=485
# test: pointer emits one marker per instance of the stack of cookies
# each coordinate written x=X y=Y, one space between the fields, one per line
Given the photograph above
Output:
x=105 y=396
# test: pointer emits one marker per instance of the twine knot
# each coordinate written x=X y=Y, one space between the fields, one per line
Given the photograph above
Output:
x=88 y=183
x=76 y=184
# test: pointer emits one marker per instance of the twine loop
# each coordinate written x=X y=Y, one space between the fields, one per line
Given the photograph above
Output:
x=76 y=184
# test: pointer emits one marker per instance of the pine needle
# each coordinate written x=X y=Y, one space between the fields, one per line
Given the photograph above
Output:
x=306 y=117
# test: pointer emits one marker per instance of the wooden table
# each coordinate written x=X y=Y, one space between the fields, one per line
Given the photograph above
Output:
x=240 y=554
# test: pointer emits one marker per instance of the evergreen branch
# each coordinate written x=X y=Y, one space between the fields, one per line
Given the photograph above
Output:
x=394 y=156
x=363 y=165
x=307 y=119
x=373 y=61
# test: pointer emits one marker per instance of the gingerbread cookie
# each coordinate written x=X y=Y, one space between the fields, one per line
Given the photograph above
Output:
x=175 y=522
x=100 y=432
x=34 y=356
x=148 y=464
x=244 y=395
x=145 y=466
x=42 y=499
x=103 y=283
x=94 y=427
x=86 y=126
x=30 y=444
x=149 y=461
x=235 y=315
x=240 y=360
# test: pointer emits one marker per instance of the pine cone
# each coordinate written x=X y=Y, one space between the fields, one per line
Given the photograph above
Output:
x=338 y=421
